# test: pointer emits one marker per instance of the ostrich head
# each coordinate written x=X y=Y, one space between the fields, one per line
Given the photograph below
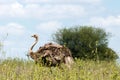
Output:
x=35 y=36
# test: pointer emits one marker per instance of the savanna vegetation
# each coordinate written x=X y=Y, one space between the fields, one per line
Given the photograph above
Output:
x=86 y=42
x=94 y=60
x=16 y=69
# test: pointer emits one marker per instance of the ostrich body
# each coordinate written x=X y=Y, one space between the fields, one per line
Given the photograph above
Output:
x=50 y=53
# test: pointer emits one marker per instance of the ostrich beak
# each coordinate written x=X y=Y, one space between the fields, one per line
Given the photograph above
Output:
x=27 y=55
x=32 y=36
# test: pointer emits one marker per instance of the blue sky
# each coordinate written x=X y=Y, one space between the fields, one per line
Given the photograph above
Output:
x=22 y=18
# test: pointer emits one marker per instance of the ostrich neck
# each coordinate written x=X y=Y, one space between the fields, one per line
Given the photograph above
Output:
x=34 y=44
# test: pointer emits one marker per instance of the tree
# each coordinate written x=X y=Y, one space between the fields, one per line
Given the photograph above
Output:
x=86 y=42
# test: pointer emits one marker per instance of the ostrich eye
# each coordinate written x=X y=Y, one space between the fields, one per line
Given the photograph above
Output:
x=34 y=35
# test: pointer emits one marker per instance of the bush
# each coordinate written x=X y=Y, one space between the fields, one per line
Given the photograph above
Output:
x=86 y=42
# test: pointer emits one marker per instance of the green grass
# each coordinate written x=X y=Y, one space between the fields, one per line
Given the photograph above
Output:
x=16 y=69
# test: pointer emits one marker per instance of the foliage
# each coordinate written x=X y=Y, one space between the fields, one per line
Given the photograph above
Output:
x=86 y=42
x=17 y=69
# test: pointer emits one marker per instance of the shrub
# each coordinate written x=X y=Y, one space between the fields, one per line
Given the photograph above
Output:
x=86 y=42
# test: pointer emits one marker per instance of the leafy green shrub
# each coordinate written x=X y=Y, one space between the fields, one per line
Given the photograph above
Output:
x=86 y=42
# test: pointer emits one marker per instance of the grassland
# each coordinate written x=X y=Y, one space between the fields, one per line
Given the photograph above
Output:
x=17 y=69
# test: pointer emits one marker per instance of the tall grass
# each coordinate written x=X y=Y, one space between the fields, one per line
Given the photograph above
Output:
x=17 y=69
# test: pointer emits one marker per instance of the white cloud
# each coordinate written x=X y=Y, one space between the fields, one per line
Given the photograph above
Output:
x=12 y=10
x=106 y=22
x=6 y=1
x=62 y=1
x=49 y=27
x=51 y=1
x=110 y=24
x=54 y=11
x=12 y=28
x=47 y=11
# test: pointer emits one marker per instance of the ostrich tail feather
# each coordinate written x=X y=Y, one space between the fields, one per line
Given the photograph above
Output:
x=69 y=61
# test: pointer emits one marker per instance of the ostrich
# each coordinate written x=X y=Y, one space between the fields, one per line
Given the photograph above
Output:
x=51 y=54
